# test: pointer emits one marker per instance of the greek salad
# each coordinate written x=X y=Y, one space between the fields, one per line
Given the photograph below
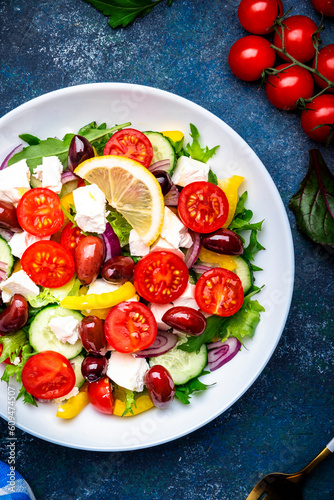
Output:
x=126 y=269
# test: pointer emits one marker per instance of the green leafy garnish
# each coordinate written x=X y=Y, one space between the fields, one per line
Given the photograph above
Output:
x=212 y=178
x=183 y=392
x=313 y=204
x=129 y=402
x=124 y=12
x=54 y=295
x=195 y=151
x=32 y=140
x=120 y=225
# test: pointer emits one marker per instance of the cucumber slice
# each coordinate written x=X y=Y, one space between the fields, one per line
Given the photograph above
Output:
x=6 y=259
x=162 y=149
x=182 y=365
x=42 y=338
x=244 y=271
x=76 y=365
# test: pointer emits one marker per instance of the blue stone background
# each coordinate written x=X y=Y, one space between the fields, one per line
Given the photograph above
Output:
x=286 y=417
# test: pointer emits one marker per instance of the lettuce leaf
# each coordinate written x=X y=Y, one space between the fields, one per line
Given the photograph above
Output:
x=120 y=225
x=195 y=151
x=183 y=392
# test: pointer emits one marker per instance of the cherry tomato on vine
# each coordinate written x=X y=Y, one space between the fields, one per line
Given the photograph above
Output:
x=320 y=111
x=130 y=326
x=297 y=38
x=132 y=144
x=39 y=212
x=325 y=66
x=161 y=277
x=219 y=291
x=257 y=16
x=70 y=237
x=249 y=56
x=284 y=89
x=100 y=395
x=48 y=375
x=203 y=207
x=48 y=264
x=325 y=7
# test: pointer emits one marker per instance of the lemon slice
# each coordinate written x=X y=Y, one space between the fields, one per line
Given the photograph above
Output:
x=129 y=188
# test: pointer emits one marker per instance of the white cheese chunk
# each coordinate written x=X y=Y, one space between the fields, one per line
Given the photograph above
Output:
x=14 y=182
x=21 y=241
x=174 y=231
x=50 y=173
x=127 y=371
x=138 y=247
x=18 y=283
x=158 y=310
x=188 y=170
x=65 y=328
x=187 y=299
x=59 y=401
x=90 y=206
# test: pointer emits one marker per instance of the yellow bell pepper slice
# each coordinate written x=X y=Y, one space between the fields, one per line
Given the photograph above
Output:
x=100 y=313
x=101 y=300
x=67 y=200
x=225 y=261
x=230 y=187
x=143 y=403
x=73 y=406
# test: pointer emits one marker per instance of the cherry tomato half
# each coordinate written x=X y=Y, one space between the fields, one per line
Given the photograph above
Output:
x=100 y=395
x=39 y=212
x=284 y=89
x=219 y=291
x=161 y=277
x=325 y=7
x=70 y=237
x=257 y=16
x=203 y=207
x=319 y=112
x=132 y=144
x=130 y=326
x=325 y=66
x=297 y=38
x=249 y=56
x=48 y=375
x=48 y=264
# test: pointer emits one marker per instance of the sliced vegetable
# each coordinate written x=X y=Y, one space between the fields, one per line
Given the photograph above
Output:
x=163 y=343
x=99 y=301
x=74 y=405
x=220 y=353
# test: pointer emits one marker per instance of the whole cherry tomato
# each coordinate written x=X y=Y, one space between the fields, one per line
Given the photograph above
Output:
x=319 y=112
x=249 y=56
x=257 y=16
x=284 y=89
x=325 y=66
x=298 y=40
x=325 y=7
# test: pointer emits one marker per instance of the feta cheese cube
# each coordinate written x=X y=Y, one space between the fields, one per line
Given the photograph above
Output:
x=21 y=241
x=174 y=231
x=65 y=328
x=90 y=206
x=50 y=173
x=14 y=182
x=138 y=247
x=127 y=371
x=188 y=170
x=18 y=283
x=158 y=310
x=187 y=299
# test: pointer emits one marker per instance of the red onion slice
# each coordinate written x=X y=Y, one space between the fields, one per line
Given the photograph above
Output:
x=112 y=246
x=193 y=251
x=200 y=268
x=172 y=197
x=163 y=343
x=68 y=176
x=17 y=149
x=219 y=355
x=3 y=275
x=160 y=165
x=6 y=234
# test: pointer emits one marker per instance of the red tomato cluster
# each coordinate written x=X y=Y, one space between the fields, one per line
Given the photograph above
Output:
x=251 y=55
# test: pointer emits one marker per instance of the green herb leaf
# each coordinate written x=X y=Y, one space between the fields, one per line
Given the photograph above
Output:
x=183 y=392
x=123 y=12
x=313 y=204
x=32 y=140
x=253 y=247
x=120 y=225
x=195 y=150
x=212 y=178
x=214 y=326
x=129 y=402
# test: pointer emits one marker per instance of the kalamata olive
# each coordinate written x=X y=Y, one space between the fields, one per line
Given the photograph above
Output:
x=160 y=386
x=164 y=180
x=185 y=319
x=8 y=219
x=15 y=316
x=223 y=241
x=80 y=150
x=94 y=367
x=92 y=336
x=88 y=259
x=118 y=269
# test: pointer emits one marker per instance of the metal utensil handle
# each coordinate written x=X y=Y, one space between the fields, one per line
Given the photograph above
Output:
x=317 y=460
x=330 y=446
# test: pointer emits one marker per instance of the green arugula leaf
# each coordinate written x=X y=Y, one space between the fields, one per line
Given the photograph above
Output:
x=124 y=12
x=32 y=140
x=253 y=247
x=313 y=204
x=214 y=327
x=120 y=225
x=195 y=150
x=212 y=178
x=183 y=392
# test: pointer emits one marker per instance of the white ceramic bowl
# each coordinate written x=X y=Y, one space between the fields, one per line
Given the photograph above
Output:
x=66 y=110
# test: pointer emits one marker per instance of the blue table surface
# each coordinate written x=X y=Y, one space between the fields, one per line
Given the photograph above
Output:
x=286 y=417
